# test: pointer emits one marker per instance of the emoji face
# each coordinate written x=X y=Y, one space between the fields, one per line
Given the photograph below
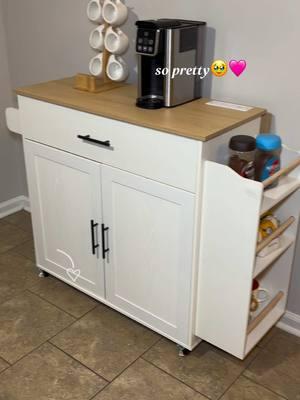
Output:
x=219 y=68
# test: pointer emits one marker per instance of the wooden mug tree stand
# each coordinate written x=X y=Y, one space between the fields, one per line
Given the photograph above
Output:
x=92 y=84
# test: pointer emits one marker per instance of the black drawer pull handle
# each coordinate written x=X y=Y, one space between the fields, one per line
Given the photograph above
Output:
x=94 y=245
x=104 y=249
x=87 y=138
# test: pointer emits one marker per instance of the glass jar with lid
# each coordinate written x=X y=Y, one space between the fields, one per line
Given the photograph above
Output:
x=267 y=159
x=242 y=155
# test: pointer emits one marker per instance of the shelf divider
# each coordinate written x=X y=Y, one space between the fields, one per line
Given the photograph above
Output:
x=256 y=321
x=279 y=231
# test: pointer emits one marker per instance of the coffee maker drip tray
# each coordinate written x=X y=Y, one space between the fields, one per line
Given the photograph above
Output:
x=150 y=102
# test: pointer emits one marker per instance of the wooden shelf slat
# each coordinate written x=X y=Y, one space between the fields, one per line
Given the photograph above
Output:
x=257 y=320
x=282 y=228
x=284 y=171
x=262 y=263
x=287 y=185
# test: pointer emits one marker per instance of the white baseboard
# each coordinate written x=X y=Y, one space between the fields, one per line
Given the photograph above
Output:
x=11 y=206
x=290 y=323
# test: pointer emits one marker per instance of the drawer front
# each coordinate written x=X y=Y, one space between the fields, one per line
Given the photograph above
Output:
x=156 y=155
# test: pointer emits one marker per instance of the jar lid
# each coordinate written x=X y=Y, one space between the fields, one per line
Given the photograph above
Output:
x=268 y=142
x=242 y=143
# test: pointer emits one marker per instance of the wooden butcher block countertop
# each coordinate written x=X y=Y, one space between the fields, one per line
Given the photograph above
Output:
x=194 y=120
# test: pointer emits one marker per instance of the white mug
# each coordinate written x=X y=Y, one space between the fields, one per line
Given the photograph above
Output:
x=96 y=65
x=261 y=295
x=115 y=12
x=94 y=11
x=117 y=70
x=116 y=42
x=97 y=38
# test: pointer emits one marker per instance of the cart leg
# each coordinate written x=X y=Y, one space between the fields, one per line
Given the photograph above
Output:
x=42 y=274
x=182 y=351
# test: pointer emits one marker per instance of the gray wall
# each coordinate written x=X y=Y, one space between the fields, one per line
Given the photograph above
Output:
x=49 y=39
x=11 y=166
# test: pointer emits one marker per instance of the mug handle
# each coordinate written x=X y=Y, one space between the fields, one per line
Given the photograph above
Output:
x=267 y=295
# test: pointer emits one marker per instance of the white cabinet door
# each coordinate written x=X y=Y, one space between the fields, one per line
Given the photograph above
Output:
x=65 y=194
x=149 y=263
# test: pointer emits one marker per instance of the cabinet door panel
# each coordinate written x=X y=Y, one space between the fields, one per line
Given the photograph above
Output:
x=150 y=261
x=65 y=193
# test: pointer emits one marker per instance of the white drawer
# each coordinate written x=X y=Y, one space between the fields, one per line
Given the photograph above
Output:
x=156 y=155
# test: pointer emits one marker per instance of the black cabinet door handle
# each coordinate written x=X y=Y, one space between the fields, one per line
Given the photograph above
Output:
x=104 y=250
x=87 y=138
x=94 y=245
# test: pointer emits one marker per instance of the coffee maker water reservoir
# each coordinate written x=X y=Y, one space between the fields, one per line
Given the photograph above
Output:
x=164 y=46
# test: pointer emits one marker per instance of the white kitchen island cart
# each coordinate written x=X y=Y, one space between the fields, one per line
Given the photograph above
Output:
x=137 y=209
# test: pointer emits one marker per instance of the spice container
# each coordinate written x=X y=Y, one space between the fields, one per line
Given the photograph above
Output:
x=267 y=159
x=242 y=155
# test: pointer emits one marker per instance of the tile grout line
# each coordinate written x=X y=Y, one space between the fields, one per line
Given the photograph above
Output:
x=128 y=366
x=6 y=362
x=76 y=320
x=52 y=344
x=242 y=372
x=176 y=378
x=15 y=246
x=265 y=387
x=25 y=355
x=23 y=255
x=12 y=249
x=37 y=347
x=261 y=350
x=30 y=290
x=16 y=225
x=79 y=362
x=51 y=304
x=230 y=386
x=12 y=297
x=46 y=341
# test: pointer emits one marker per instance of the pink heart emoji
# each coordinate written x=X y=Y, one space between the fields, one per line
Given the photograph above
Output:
x=237 y=67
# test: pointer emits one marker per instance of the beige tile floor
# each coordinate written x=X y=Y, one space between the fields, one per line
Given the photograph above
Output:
x=58 y=344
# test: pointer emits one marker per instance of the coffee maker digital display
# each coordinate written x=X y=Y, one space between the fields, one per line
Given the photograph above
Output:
x=162 y=46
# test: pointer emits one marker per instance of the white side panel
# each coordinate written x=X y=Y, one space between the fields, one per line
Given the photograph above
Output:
x=214 y=150
x=159 y=156
x=150 y=260
x=230 y=217
x=65 y=196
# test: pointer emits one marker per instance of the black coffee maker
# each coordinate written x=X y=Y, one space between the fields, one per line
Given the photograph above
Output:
x=163 y=45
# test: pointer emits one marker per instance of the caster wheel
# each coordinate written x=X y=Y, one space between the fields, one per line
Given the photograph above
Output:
x=182 y=351
x=43 y=274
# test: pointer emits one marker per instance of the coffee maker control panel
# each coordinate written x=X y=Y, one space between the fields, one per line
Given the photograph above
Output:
x=147 y=41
